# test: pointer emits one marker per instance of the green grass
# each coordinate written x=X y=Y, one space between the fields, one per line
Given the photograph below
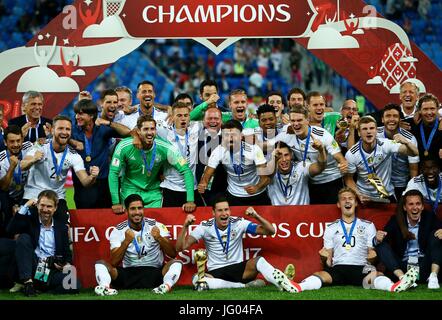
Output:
x=70 y=198
x=267 y=293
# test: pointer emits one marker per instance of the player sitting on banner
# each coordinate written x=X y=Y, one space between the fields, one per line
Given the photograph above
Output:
x=348 y=243
x=140 y=243
x=223 y=236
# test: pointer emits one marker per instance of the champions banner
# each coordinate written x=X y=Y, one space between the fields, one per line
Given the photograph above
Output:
x=298 y=238
x=374 y=54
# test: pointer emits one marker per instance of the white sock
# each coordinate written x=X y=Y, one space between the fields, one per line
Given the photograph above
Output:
x=215 y=283
x=311 y=283
x=382 y=283
x=102 y=275
x=173 y=274
x=266 y=270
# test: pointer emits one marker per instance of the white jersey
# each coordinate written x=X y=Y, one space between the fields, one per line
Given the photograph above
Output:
x=128 y=120
x=379 y=159
x=149 y=252
x=4 y=167
x=293 y=184
x=400 y=173
x=216 y=255
x=42 y=175
x=252 y=156
x=331 y=171
x=260 y=138
x=418 y=183
x=187 y=145
x=361 y=239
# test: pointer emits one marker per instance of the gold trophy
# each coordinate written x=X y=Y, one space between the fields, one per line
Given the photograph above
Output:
x=376 y=182
x=201 y=259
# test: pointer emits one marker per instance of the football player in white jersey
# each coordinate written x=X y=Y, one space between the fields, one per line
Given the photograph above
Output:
x=429 y=183
x=403 y=167
x=51 y=171
x=371 y=158
x=140 y=243
x=348 y=242
x=299 y=136
x=245 y=164
x=184 y=135
x=223 y=239
x=289 y=185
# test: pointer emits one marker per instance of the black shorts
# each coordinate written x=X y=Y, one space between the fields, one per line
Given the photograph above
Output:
x=138 y=278
x=346 y=275
x=233 y=272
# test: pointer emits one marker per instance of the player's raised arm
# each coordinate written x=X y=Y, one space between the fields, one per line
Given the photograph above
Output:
x=183 y=242
x=264 y=227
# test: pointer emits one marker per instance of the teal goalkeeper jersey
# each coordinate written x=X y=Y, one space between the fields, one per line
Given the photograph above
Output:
x=140 y=175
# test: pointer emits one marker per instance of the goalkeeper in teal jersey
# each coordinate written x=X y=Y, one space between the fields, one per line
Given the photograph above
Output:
x=140 y=168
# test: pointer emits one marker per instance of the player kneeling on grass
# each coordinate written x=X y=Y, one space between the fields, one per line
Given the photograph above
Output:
x=348 y=243
x=223 y=236
x=139 y=243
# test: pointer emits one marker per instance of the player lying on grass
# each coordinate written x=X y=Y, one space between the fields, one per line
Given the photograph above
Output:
x=348 y=242
x=140 y=243
x=222 y=236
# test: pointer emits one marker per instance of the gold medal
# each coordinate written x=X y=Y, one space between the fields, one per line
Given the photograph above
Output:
x=347 y=246
x=88 y=159
x=18 y=187
x=139 y=239
x=426 y=153
x=58 y=178
x=149 y=173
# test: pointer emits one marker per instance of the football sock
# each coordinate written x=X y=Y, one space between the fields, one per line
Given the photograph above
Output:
x=266 y=270
x=173 y=274
x=311 y=283
x=383 y=283
x=215 y=283
x=102 y=275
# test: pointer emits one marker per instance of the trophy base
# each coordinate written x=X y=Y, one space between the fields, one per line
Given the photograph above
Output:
x=379 y=200
x=201 y=286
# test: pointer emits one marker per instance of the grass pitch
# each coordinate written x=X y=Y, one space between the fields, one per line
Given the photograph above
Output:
x=265 y=293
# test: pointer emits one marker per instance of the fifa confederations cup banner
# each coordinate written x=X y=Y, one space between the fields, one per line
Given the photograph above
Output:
x=374 y=54
x=298 y=237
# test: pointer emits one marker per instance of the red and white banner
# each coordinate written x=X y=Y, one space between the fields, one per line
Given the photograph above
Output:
x=298 y=238
x=374 y=54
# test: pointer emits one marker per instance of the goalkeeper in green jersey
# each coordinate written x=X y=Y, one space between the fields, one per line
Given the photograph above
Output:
x=140 y=168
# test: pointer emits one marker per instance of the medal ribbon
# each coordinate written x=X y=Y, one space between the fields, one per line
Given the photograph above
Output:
x=180 y=147
x=134 y=241
x=427 y=144
x=307 y=142
x=237 y=167
x=17 y=171
x=361 y=151
x=434 y=204
x=152 y=159
x=58 y=168
x=88 y=146
x=349 y=235
x=226 y=244
x=285 y=187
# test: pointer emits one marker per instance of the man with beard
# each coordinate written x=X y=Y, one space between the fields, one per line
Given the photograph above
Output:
x=13 y=171
x=95 y=135
x=245 y=164
x=296 y=96
x=50 y=172
x=347 y=244
x=139 y=243
x=371 y=160
x=276 y=100
x=147 y=106
x=429 y=183
x=34 y=127
x=403 y=167
x=142 y=168
x=128 y=113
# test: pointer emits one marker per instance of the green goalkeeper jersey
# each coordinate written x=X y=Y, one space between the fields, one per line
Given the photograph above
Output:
x=140 y=170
